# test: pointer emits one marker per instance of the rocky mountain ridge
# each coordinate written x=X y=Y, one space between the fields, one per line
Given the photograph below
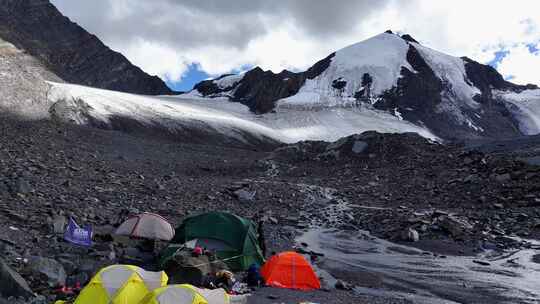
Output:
x=69 y=51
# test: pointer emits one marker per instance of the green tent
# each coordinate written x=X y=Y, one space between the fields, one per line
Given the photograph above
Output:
x=233 y=238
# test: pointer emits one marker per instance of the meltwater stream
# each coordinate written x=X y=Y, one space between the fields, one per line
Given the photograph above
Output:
x=390 y=270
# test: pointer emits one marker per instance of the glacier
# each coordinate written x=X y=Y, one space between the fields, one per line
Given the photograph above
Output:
x=227 y=118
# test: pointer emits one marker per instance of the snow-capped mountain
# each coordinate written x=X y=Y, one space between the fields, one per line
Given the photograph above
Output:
x=452 y=97
x=388 y=83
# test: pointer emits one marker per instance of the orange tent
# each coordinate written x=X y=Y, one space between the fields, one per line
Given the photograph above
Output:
x=290 y=270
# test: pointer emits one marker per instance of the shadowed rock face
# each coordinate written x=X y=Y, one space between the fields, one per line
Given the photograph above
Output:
x=418 y=95
x=486 y=78
x=260 y=90
x=69 y=51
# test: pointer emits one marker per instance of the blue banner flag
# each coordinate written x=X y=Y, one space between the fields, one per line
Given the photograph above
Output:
x=78 y=235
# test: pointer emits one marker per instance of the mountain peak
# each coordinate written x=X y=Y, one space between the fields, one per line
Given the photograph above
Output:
x=452 y=96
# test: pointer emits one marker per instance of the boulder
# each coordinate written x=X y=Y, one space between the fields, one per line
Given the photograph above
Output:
x=20 y=186
x=59 y=224
x=52 y=270
x=455 y=226
x=503 y=177
x=12 y=284
x=342 y=285
x=350 y=145
x=359 y=146
x=498 y=206
x=245 y=196
x=4 y=188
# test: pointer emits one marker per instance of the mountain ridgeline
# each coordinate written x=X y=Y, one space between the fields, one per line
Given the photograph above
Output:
x=68 y=50
x=454 y=97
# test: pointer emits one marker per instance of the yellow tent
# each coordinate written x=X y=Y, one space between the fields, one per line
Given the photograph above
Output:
x=214 y=296
x=186 y=294
x=121 y=284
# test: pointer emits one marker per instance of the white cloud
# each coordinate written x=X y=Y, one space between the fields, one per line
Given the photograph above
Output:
x=473 y=28
x=157 y=59
x=521 y=64
x=164 y=36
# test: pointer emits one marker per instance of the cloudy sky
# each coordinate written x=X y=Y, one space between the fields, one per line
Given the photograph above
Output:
x=184 y=41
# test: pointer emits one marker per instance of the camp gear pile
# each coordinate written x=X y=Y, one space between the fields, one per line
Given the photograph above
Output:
x=197 y=263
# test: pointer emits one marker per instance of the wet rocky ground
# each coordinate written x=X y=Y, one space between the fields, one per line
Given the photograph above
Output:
x=444 y=199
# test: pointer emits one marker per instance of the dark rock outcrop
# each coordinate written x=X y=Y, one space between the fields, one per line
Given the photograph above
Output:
x=75 y=55
x=12 y=284
x=209 y=87
x=419 y=91
x=260 y=89
x=486 y=78
x=409 y=38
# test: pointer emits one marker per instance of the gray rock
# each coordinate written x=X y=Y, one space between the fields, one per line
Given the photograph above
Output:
x=70 y=265
x=498 y=206
x=54 y=271
x=341 y=285
x=439 y=213
x=359 y=146
x=503 y=177
x=273 y=220
x=90 y=266
x=21 y=186
x=455 y=226
x=59 y=224
x=483 y=263
x=4 y=188
x=245 y=196
x=12 y=284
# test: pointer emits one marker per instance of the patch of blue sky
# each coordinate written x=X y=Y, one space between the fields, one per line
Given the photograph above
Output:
x=195 y=74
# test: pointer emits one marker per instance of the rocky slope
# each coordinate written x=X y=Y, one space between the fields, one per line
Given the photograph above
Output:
x=23 y=87
x=454 y=97
x=72 y=53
